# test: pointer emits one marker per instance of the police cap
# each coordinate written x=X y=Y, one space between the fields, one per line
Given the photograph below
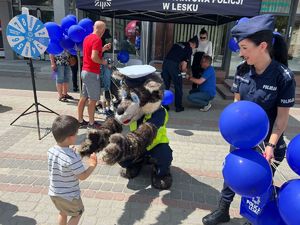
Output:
x=136 y=75
x=246 y=28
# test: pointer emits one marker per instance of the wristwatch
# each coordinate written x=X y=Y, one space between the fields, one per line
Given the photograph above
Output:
x=270 y=144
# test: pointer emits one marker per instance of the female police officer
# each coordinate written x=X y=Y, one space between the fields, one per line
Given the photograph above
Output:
x=264 y=79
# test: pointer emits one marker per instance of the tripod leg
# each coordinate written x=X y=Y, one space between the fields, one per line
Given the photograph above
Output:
x=35 y=97
x=51 y=111
x=36 y=104
x=38 y=120
x=21 y=114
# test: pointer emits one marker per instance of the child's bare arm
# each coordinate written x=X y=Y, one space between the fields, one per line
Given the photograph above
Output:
x=92 y=166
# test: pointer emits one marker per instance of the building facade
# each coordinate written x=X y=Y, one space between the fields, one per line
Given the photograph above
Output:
x=163 y=36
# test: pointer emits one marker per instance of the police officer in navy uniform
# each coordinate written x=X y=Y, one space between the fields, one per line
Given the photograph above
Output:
x=265 y=79
x=176 y=62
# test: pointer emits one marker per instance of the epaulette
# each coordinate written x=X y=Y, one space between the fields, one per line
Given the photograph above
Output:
x=243 y=68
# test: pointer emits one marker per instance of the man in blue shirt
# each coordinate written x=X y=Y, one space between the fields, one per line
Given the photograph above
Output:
x=206 y=89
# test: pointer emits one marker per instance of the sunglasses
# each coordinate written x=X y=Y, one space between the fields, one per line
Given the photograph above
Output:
x=202 y=38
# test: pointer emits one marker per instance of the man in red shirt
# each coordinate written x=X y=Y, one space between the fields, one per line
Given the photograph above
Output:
x=92 y=58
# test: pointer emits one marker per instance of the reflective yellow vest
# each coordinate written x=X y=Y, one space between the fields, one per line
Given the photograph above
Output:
x=161 y=136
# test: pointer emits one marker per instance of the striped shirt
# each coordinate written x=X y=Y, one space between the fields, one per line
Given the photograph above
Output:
x=63 y=166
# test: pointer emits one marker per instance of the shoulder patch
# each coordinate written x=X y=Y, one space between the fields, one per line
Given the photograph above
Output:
x=286 y=72
x=242 y=79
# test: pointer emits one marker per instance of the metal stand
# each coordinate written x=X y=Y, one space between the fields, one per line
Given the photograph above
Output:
x=36 y=104
x=79 y=72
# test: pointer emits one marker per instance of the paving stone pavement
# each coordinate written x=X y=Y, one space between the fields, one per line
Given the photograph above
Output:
x=109 y=199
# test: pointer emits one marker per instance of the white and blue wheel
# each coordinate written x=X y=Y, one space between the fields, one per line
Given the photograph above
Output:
x=27 y=36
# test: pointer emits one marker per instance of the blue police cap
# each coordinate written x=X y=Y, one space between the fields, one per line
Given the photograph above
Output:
x=250 y=26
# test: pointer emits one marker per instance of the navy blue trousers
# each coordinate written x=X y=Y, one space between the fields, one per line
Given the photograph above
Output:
x=161 y=155
x=171 y=72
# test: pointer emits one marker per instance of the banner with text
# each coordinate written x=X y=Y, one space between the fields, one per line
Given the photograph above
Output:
x=218 y=7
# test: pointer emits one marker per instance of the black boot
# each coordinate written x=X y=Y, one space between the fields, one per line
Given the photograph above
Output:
x=220 y=215
x=161 y=182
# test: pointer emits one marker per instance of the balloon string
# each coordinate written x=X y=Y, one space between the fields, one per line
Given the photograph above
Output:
x=273 y=163
x=275 y=167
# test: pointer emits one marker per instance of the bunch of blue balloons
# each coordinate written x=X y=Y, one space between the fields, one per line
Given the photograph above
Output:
x=69 y=35
x=289 y=193
x=245 y=125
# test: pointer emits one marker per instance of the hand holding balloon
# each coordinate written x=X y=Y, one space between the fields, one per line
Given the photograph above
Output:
x=269 y=153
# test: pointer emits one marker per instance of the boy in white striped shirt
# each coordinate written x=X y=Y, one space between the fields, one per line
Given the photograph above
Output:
x=66 y=169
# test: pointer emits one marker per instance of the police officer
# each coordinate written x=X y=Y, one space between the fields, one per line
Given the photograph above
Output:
x=176 y=62
x=265 y=79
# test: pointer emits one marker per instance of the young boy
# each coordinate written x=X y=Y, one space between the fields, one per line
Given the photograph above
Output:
x=66 y=169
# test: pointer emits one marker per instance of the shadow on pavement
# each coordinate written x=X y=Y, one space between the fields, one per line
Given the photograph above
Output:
x=292 y=128
x=4 y=108
x=186 y=195
x=73 y=102
x=8 y=216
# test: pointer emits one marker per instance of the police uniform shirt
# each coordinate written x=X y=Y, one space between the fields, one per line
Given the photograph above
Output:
x=157 y=118
x=179 y=52
x=275 y=87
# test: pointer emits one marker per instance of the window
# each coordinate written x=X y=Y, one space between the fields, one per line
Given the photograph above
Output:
x=37 y=2
x=275 y=6
x=294 y=50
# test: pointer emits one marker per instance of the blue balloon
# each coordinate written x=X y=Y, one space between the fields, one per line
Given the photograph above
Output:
x=72 y=51
x=66 y=42
x=247 y=172
x=55 y=32
x=289 y=202
x=54 y=48
x=293 y=154
x=76 y=33
x=270 y=215
x=233 y=45
x=66 y=23
x=87 y=24
x=73 y=17
x=123 y=56
x=168 y=97
x=244 y=124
